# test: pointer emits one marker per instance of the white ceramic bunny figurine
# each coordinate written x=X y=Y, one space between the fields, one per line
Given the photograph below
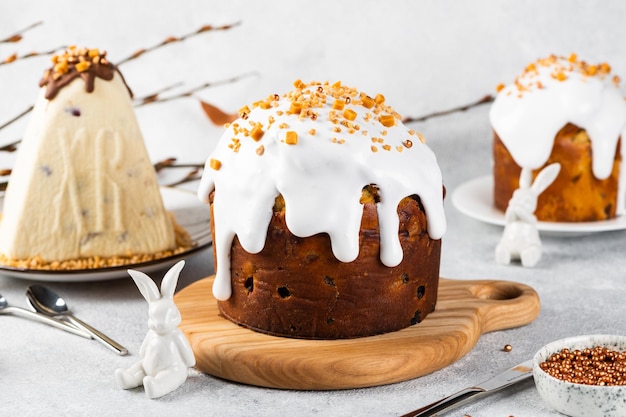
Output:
x=165 y=352
x=520 y=239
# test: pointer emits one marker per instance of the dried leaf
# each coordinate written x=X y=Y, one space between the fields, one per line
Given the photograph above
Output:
x=217 y=116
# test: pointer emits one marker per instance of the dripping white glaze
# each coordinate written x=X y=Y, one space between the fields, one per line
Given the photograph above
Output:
x=528 y=114
x=320 y=177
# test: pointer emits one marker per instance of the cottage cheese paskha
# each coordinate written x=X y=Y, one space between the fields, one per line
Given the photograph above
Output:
x=83 y=185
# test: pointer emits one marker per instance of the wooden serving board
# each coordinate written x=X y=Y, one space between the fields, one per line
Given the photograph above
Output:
x=465 y=310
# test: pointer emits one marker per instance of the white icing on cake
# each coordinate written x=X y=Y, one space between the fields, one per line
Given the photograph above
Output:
x=528 y=114
x=83 y=184
x=321 y=176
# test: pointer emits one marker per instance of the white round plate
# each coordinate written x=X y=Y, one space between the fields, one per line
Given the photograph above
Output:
x=474 y=198
x=190 y=213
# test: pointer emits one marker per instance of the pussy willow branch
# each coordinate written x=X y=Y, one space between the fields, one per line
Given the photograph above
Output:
x=486 y=99
x=17 y=36
x=192 y=175
x=16 y=118
x=171 y=163
x=151 y=98
x=173 y=39
x=196 y=168
x=154 y=98
x=142 y=101
x=15 y=57
x=11 y=147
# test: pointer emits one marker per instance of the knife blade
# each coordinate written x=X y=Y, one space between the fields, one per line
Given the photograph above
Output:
x=505 y=379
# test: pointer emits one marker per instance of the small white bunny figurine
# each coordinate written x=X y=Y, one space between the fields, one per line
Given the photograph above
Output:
x=520 y=239
x=165 y=352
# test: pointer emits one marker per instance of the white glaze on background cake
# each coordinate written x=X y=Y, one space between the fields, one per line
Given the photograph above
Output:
x=551 y=92
x=318 y=153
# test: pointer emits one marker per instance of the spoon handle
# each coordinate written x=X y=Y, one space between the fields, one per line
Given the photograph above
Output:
x=47 y=320
x=99 y=336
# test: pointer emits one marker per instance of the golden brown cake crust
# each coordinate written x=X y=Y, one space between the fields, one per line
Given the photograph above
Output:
x=576 y=195
x=295 y=287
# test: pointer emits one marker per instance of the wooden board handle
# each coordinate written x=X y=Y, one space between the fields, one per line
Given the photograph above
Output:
x=465 y=310
x=499 y=304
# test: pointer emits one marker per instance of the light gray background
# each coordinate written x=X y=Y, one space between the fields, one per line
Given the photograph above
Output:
x=424 y=56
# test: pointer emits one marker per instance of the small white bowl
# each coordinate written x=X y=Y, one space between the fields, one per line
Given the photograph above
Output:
x=579 y=400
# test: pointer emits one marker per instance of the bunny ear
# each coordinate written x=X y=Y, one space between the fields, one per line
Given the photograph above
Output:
x=546 y=177
x=146 y=286
x=168 y=285
x=525 y=178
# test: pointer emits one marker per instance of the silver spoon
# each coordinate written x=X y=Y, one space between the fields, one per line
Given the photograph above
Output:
x=5 y=308
x=46 y=301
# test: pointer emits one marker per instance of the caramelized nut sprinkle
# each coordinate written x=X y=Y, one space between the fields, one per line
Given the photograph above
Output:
x=77 y=62
x=561 y=69
x=316 y=104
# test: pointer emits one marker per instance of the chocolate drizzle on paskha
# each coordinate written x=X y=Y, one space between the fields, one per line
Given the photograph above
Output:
x=78 y=62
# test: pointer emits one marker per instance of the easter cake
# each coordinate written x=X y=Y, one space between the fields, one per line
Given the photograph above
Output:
x=327 y=216
x=565 y=110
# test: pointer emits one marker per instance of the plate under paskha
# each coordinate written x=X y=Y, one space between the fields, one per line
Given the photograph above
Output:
x=189 y=212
